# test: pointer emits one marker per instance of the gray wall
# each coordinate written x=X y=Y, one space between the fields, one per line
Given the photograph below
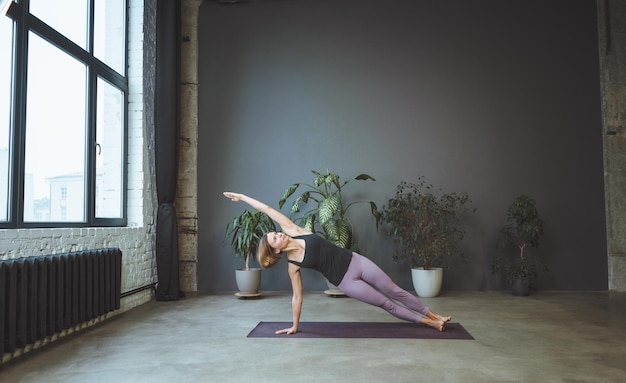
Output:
x=494 y=98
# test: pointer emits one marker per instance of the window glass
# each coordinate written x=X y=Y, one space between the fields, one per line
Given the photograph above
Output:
x=56 y=14
x=110 y=33
x=54 y=185
x=6 y=48
x=71 y=167
x=109 y=151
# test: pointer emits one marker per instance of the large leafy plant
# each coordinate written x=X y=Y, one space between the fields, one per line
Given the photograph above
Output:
x=425 y=223
x=245 y=231
x=524 y=229
x=327 y=209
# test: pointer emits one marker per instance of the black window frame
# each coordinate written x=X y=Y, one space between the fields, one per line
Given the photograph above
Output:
x=23 y=23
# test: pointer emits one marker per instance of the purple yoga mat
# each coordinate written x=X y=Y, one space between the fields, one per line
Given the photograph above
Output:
x=388 y=330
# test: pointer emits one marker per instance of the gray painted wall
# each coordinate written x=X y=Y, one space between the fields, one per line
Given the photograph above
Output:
x=494 y=98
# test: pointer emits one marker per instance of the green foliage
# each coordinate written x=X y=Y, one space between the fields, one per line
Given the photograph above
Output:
x=425 y=224
x=245 y=231
x=518 y=268
x=327 y=216
x=524 y=227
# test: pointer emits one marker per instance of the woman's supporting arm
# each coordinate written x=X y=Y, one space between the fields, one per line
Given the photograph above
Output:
x=296 y=300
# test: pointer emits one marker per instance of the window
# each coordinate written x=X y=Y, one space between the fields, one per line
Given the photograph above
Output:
x=63 y=96
x=109 y=151
x=6 y=48
x=56 y=16
x=110 y=33
x=55 y=127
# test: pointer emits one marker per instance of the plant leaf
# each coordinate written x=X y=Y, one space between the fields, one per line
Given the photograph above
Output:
x=309 y=223
x=364 y=177
x=290 y=190
x=327 y=209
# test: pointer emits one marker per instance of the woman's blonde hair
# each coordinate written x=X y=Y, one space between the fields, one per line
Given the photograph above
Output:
x=265 y=254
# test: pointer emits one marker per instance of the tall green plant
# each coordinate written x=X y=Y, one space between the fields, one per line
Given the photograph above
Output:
x=327 y=216
x=245 y=231
x=524 y=228
x=425 y=224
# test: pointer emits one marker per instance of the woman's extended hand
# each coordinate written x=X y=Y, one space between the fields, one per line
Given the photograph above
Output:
x=233 y=196
x=287 y=331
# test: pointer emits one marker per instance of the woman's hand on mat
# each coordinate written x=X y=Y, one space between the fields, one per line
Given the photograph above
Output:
x=288 y=331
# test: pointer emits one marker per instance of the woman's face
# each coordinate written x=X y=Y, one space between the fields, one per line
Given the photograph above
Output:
x=277 y=241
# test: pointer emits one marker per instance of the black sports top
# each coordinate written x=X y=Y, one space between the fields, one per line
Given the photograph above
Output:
x=324 y=256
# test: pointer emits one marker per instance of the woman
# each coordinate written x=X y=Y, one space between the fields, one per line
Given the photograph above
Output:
x=353 y=273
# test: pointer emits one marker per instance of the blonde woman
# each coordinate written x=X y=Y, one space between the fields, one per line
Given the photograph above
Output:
x=354 y=274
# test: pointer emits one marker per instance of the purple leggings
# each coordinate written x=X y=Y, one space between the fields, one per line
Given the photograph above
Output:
x=366 y=282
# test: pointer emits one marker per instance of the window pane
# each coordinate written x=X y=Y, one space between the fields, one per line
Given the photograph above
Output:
x=109 y=151
x=6 y=48
x=54 y=186
x=68 y=17
x=110 y=33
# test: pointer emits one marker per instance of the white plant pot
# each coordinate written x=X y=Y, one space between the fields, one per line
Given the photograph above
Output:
x=248 y=281
x=427 y=283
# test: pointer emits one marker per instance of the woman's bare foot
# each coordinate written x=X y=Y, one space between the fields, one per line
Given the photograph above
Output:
x=438 y=324
x=433 y=315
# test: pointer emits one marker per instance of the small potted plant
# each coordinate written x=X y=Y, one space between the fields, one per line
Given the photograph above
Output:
x=524 y=228
x=327 y=215
x=426 y=227
x=245 y=230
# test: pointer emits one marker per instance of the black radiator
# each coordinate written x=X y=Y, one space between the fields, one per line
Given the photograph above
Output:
x=44 y=295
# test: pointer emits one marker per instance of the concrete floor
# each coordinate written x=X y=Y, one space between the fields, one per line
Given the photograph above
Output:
x=547 y=337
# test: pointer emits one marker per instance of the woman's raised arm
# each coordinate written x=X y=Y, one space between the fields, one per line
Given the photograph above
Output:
x=287 y=225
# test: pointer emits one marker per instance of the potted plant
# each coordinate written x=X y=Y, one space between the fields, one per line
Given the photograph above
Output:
x=245 y=230
x=425 y=225
x=327 y=213
x=524 y=228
